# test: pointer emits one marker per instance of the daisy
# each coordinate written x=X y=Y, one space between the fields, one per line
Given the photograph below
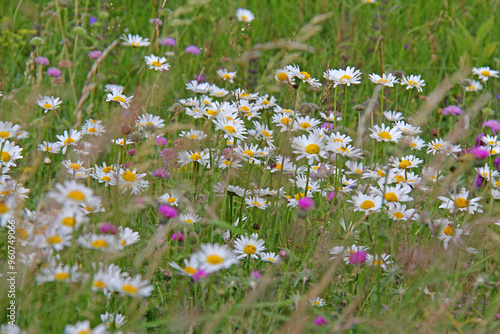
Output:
x=103 y=242
x=413 y=81
x=442 y=146
x=69 y=139
x=131 y=180
x=387 y=80
x=48 y=102
x=310 y=148
x=157 y=63
x=92 y=127
x=193 y=134
x=244 y=15
x=381 y=261
x=126 y=236
x=71 y=193
x=266 y=101
x=449 y=233
x=269 y=257
x=343 y=77
x=283 y=121
x=397 y=211
x=134 y=40
x=107 y=279
x=486 y=173
x=393 y=116
x=147 y=120
x=54 y=272
x=317 y=302
x=256 y=202
x=250 y=247
x=385 y=133
x=135 y=287
x=110 y=87
x=474 y=86
x=409 y=161
x=407 y=129
x=189 y=218
x=304 y=76
x=490 y=140
x=397 y=193
x=460 y=202
x=415 y=143
x=217 y=91
x=190 y=267
x=112 y=320
x=121 y=141
x=116 y=95
x=76 y=169
x=226 y=75
x=345 y=150
x=282 y=163
x=366 y=203
x=70 y=217
x=484 y=73
x=169 y=199
x=212 y=258
x=200 y=157
x=284 y=75
x=196 y=87
x=8 y=130
x=305 y=123
x=55 y=237
x=10 y=152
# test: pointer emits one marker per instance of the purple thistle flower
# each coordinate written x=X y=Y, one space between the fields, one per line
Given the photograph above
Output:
x=256 y=274
x=54 y=72
x=320 y=321
x=161 y=141
x=200 y=78
x=452 y=110
x=168 y=41
x=200 y=274
x=357 y=257
x=331 y=196
x=108 y=228
x=42 y=60
x=192 y=49
x=496 y=162
x=92 y=20
x=493 y=124
x=95 y=54
x=156 y=21
x=131 y=152
x=479 y=141
x=306 y=203
x=161 y=173
x=178 y=236
x=327 y=126
x=479 y=181
x=167 y=211
x=168 y=155
x=479 y=153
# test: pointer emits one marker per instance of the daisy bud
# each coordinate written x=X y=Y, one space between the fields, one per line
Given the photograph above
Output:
x=167 y=211
x=47 y=161
x=126 y=129
x=256 y=226
x=359 y=107
x=79 y=31
x=465 y=83
x=103 y=15
x=399 y=74
x=306 y=203
x=136 y=136
x=36 y=41
x=371 y=103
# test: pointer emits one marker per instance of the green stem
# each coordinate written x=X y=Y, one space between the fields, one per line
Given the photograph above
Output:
x=345 y=108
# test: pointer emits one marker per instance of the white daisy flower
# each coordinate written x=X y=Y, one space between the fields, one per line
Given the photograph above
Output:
x=244 y=15
x=413 y=81
x=134 y=40
x=250 y=247
x=484 y=73
x=48 y=102
x=157 y=63
x=212 y=258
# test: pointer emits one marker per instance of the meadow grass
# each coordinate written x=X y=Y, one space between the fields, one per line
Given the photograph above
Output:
x=436 y=279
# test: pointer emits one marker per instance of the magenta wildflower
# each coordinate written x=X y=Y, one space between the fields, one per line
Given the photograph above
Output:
x=54 y=72
x=128 y=165
x=479 y=181
x=108 y=228
x=168 y=155
x=168 y=41
x=498 y=316
x=156 y=21
x=331 y=196
x=161 y=141
x=193 y=49
x=256 y=274
x=200 y=274
x=493 y=124
x=327 y=126
x=178 y=236
x=306 y=203
x=200 y=78
x=161 y=173
x=283 y=253
x=42 y=60
x=358 y=257
x=167 y=211
x=320 y=321
x=479 y=141
x=95 y=54
x=452 y=110
x=496 y=162
x=479 y=153
x=131 y=151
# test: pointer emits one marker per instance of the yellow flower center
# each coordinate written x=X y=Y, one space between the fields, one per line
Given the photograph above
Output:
x=404 y=164
x=99 y=284
x=398 y=215
x=358 y=171
x=265 y=102
x=55 y=239
x=461 y=202
x=75 y=166
x=282 y=76
x=312 y=149
x=305 y=125
x=278 y=166
x=413 y=144
x=106 y=178
x=61 y=276
x=257 y=204
x=190 y=270
x=285 y=120
x=195 y=156
x=5 y=156
x=188 y=221
x=69 y=141
x=471 y=87
x=249 y=153
x=156 y=63
x=85 y=331
x=99 y=243
x=21 y=233
x=383 y=81
x=306 y=75
x=315 y=303
x=366 y=205
x=412 y=83
x=68 y=221
x=119 y=99
x=134 y=44
x=449 y=230
x=380 y=173
x=229 y=129
x=399 y=178
x=485 y=73
x=226 y=77
x=107 y=169
x=214 y=259
x=92 y=130
x=196 y=137
x=243 y=17
x=345 y=77
x=391 y=197
x=130 y=289
x=128 y=176
x=266 y=134
x=47 y=106
x=385 y=135
x=171 y=200
x=76 y=195
x=4 y=134
x=245 y=108
x=212 y=113
x=250 y=249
